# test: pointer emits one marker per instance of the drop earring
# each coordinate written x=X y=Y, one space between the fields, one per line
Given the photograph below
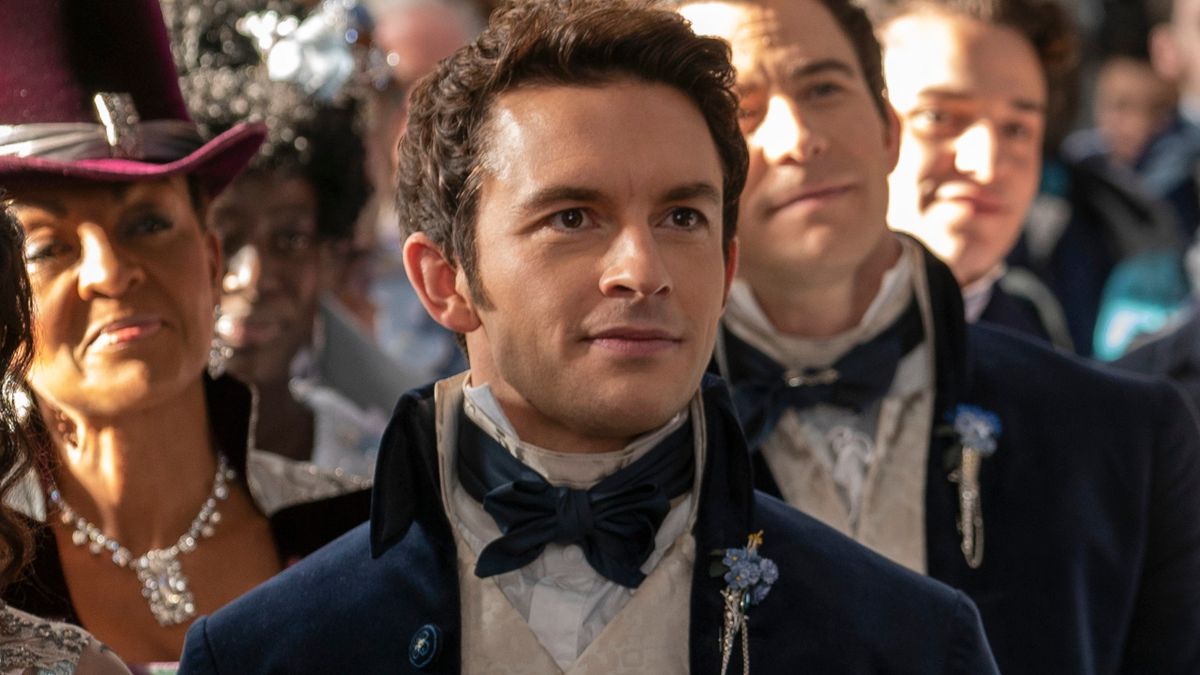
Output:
x=219 y=351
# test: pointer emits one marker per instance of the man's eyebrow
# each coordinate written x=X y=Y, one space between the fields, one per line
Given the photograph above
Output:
x=819 y=67
x=1022 y=104
x=697 y=190
x=555 y=194
x=755 y=78
x=1029 y=105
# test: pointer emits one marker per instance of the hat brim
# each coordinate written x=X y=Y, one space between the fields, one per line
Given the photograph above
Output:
x=215 y=164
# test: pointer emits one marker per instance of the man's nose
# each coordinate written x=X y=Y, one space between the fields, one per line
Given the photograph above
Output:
x=784 y=133
x=103 y=269
x=634 y=265
x=976 y=152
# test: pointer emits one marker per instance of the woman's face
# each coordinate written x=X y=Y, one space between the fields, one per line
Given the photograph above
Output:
x=124 y=283
x=267 y=222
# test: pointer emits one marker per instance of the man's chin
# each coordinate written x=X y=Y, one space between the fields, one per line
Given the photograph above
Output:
x=635 y=413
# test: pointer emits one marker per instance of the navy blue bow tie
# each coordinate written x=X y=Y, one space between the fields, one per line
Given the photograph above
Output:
x=614 y=521
x=763 y=389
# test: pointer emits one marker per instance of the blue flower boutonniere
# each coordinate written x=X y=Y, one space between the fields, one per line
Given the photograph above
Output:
x=749 y=577
x=977 y=430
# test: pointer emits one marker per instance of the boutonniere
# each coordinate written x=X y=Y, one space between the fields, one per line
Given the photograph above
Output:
x=749 y=577
x=976 y=430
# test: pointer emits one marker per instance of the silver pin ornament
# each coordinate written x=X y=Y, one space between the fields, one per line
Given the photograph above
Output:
x=749 y=577
x=977 y=430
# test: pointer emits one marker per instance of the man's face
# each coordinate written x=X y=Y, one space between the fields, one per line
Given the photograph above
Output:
x=820 y=150
x=971 y=99
x=599 y=245
x=1183 y=34
x=268 y=225
x=1133 y=104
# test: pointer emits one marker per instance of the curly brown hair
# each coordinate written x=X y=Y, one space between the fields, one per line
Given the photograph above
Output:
x=1044 y=23
x=551 y=42
x=16 y=352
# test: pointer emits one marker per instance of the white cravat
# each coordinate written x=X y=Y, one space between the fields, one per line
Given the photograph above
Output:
x=846 y=439
x=564 y=601
x=978 y=293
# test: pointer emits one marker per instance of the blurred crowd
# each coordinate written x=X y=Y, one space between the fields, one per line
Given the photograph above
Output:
x=1048 y=154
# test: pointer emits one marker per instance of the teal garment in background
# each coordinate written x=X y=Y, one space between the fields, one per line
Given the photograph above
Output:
x=1141 y=295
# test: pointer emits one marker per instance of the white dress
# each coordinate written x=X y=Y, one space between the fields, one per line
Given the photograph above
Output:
x=33 y=646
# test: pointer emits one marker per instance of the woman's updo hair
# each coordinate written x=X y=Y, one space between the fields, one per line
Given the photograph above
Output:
x=224 y=81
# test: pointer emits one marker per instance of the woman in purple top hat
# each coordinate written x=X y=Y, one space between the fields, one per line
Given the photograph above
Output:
x=148 y=503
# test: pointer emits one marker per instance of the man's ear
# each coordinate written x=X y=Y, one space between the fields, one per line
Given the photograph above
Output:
x=1164 y=53
x=891 y=136
x=731 y=263
x=435 y=279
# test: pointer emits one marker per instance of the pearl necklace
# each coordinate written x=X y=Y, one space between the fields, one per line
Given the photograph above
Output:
x=164 y=585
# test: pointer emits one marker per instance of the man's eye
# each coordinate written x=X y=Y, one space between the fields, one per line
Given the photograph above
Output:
x=937 y=122
x=751 y=108
x=570 y=219
x=1017 y=131
x=747 y=113
x=931 y=116
x=820 y=90
x=685 y=218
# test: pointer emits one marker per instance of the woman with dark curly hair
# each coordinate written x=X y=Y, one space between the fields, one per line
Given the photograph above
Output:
x=149 y=502
x=27 y=642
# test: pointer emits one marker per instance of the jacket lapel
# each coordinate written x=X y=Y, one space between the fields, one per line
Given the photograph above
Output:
x=725 y=520
x=952 y=380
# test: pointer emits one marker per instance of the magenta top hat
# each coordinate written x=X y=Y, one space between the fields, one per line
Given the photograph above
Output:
x=88 y=90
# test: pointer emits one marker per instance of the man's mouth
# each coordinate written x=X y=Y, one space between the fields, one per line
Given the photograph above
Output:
x=632 y=341
x=979 y=202
x=810 y=196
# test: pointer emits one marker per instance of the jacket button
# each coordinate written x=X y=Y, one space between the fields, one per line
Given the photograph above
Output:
x=426 y=643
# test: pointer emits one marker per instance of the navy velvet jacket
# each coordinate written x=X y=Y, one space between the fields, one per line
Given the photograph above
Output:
x=364 y=603
x=1091 y=504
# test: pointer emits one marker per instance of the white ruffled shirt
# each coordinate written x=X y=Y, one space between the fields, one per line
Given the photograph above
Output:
x=862 y=473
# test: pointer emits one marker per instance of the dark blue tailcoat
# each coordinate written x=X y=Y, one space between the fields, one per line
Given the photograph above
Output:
x=1091 y=504
x=354 y=606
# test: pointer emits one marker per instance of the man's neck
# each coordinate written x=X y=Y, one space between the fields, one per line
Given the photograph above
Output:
x=1189 y=107
x=803 y=305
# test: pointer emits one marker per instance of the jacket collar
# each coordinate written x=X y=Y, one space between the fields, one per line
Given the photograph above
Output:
x=952 y=370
